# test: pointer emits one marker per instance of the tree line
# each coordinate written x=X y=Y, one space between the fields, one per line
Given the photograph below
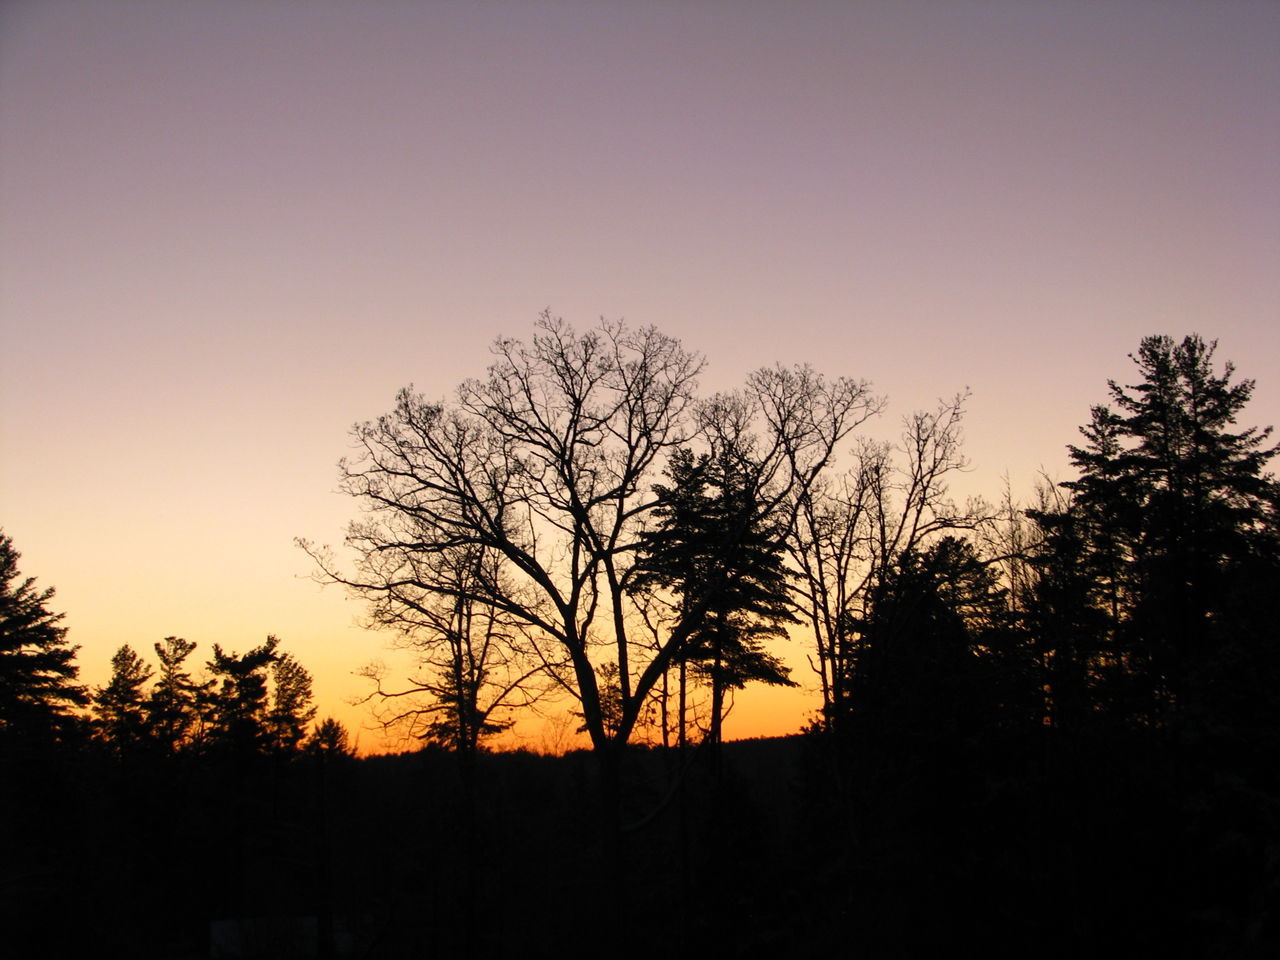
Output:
x=255 y=703
x=580 y=523
x=1061 y=709
x=172 y=792
x=1063 y=706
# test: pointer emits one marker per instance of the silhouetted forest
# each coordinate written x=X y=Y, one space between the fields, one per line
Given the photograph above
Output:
x=1047 y=727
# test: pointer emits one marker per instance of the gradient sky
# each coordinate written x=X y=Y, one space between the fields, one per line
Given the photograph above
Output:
x=230 y=230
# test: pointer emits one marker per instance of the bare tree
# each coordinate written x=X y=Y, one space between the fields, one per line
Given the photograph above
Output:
x=474 y=662
x=848 y=530
x=547 y=467
x=777 y=437
x=546 y=464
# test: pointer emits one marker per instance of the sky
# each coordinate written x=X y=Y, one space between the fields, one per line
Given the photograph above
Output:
x=230 y=230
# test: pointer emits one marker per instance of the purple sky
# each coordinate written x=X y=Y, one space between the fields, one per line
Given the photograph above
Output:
x=229 y=230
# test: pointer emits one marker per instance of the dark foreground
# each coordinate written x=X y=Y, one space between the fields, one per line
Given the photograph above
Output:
x=1142 y=845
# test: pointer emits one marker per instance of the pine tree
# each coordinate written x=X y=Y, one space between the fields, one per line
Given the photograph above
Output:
x=239 y=703
x=939 y=652
x=1179 y=509
x=1069 y=615
x=38 y=692
x=120 y=706
x=291 y=708
x=176 y=705
x=329 y=739
x=721 y=555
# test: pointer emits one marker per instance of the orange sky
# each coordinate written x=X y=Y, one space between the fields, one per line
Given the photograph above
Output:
x=229 y=230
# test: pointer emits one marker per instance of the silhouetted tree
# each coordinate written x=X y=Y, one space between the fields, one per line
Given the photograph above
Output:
x=1068 y=613
x=549 y=463
x=291 y=710
x=543 y=464
x=177 y=704
x=120 y=706
x=329 y=739
x=474 y=661
x=720 y=554
x=940 y=653
x=239 y=704
x=1171 y=512
x=38 y=692
x=610 y=700
x=850 y=530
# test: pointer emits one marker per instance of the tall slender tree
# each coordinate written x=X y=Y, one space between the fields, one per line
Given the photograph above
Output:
x=720 y=553
x=291 y=710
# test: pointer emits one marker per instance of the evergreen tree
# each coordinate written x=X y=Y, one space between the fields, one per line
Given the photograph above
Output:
x=176 y=705
x=257 y=702
x=120 y=706
x=239 y=703
x=291 y=708
x=939 y=653
x=329 y=739
x=721 y=555
x=38 y=692
x=1069 y=616
x=470 y=669
x=1179 y=509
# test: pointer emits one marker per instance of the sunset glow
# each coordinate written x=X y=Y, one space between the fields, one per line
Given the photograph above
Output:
x=228 y=231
